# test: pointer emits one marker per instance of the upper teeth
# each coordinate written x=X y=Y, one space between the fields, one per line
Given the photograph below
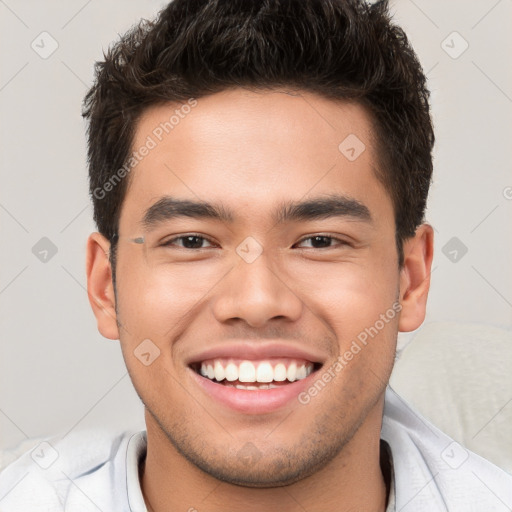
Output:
x=252 y=371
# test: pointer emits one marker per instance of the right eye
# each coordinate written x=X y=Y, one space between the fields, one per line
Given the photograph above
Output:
x=188 y=241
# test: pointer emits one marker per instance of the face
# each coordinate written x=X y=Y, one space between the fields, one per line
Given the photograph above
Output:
x=259 y=330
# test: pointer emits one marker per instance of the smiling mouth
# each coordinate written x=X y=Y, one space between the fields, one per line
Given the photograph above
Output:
x=254 y=375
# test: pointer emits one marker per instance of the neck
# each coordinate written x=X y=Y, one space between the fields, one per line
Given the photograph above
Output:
x=353 y=480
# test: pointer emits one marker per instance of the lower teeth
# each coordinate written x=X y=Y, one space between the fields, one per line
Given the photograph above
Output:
x=261 y=386
x=250 y=387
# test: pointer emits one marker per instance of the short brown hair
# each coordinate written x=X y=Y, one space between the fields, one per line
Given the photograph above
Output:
x=339 y=49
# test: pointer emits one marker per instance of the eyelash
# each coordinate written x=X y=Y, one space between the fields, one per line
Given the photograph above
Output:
x=170 y=242
x=321 y=235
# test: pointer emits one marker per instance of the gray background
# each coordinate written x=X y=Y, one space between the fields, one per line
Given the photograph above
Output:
x=57 y=373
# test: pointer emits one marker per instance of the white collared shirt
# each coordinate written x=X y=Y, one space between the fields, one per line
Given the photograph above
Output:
x=91 y=470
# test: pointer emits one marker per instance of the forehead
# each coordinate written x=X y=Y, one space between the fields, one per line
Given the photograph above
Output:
x=253 y=149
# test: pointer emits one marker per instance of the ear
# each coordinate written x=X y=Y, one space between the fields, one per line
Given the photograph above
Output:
x=100 y=288
x=415 y=278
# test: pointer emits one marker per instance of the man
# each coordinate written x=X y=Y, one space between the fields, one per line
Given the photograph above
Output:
x=259 y=173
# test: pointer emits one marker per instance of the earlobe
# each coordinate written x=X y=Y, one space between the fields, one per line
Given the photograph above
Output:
x=100 y=288
x=415 y=278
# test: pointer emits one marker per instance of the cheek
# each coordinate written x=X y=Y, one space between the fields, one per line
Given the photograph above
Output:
x=358 y=303
x=153 y=302
x=348 y=293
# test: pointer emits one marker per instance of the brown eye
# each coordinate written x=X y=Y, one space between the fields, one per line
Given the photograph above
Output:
x=187 y=242
x=322 y=241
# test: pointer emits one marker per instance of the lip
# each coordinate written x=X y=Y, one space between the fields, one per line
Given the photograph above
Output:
x=252 y=351
x=253 y=401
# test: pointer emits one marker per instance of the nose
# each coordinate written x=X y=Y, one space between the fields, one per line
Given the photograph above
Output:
x=255 y=293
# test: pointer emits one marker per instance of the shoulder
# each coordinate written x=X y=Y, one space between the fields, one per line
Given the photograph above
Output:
x=432 y=472
x=49 y=475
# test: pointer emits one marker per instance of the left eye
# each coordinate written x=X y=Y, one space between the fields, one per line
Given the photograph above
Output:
x=188 y=242
x=322 y=241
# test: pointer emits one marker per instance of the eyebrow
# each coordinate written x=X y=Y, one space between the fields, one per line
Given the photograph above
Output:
x=322 y=208
x=168 y=208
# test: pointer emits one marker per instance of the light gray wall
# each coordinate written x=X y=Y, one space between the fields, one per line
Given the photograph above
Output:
x=56 y=372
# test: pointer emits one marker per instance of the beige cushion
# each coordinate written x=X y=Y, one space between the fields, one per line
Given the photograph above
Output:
x=459 y=376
